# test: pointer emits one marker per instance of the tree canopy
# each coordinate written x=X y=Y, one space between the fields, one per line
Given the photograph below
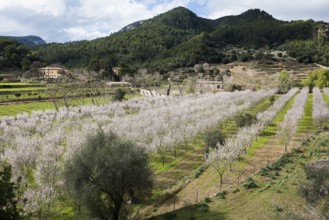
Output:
x=8 y=202
x=244 y=119
x=285 y=81
x=107 y=172
x=318 y=78
x=14 y=55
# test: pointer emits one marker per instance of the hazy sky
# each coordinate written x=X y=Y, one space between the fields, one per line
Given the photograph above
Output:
x=70 y=20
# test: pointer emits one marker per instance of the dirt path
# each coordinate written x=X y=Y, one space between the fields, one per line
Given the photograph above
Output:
x=322 y=66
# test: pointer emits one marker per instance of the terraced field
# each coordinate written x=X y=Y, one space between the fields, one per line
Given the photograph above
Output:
x=265 y=151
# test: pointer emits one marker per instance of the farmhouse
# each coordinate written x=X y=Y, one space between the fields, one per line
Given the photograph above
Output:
x=204 y=85
x=52 y=72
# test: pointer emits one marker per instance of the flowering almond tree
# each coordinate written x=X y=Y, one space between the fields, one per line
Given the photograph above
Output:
x=38 y=145
x=320 y=108
x=236 y=145
x=289 y=125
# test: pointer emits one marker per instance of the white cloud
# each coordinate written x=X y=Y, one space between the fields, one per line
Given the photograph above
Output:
x=65 y=20
x=281 y=9
x=11 y=25
x=49 y=7
x=166 y=6
x=75 y=33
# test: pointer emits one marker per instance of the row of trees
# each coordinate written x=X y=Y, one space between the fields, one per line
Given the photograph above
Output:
x=38 y=145
x=79 y=145
x=320 y=108
x=225 y=153
x=289 y=126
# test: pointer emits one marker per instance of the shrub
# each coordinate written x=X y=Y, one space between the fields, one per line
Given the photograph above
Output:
x=119 y=95
x=296 y=150
x=250 y=184
x=203 y=206
x=278 y=209
x=236 y=190
x=317 y=171
x=221 y=195
x=212 y=138
x=244 y=119
x=207 y=200
x=279 y=163
x=265 y=172
x=316 y=188
x=198 y=171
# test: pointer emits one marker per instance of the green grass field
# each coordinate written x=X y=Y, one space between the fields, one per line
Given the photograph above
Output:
x=16 y=108
x=306 y=124
x=22 y=89
x=14 y=83
x=39 y=93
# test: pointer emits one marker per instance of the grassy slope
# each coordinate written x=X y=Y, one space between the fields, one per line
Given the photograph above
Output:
x=277 y=194
x=275 y=198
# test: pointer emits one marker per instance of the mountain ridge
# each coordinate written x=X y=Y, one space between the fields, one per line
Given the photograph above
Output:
x=179 y=38
x=29 y=40
x=255 y=13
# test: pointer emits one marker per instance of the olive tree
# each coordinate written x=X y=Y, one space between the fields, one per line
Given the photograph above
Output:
x=106 y=173
x=212 y=138
x=244 y=119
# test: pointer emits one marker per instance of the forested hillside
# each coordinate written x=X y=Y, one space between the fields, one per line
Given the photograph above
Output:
x=15 y=56
x=179 y=38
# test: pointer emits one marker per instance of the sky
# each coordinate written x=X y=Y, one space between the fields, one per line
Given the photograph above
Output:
x=72 y=20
